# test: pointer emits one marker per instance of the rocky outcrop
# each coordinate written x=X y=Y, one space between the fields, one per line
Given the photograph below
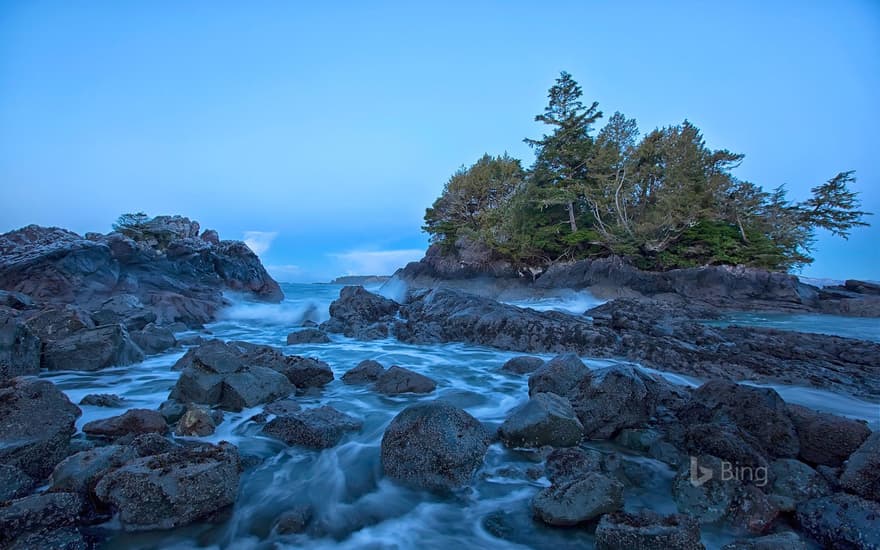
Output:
x=434 y=446
x=318 y=428
x=36 y=422
x=173 y=488
x=361 y=314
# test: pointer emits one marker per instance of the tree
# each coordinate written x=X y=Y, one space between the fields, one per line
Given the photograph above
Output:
x=131 y=225
x=562 y=156
x=834 y=207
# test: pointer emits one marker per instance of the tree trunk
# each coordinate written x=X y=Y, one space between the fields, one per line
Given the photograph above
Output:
x=571 y=221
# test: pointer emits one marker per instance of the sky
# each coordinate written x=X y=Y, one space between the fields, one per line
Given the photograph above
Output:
x=320 y=131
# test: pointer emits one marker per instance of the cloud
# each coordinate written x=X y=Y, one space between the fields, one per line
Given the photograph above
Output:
x=285 y=273
x=259 y=241
x=376 y=262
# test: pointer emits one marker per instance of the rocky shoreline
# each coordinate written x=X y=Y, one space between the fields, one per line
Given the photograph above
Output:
x=803 y=477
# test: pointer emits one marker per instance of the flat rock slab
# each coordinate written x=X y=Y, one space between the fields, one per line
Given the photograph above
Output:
x=134 y=421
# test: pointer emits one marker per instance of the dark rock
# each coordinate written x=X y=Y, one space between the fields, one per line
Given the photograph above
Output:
x=647 y=531
x=15 y=300
x=302 y=372
x=92 y=349
x=220 y=374
x=172 y=489
x=56 y=538
x=318 y=428
x=546 y=419
x=797 y=481
x=760 y=412
x=133 y=421
x=282 y=407
x=14 y=483
x=171 y=410
x=152 y=339
x=638 y=440
x=706 y=500
x=19 y=348
x=559 y=375
x=37 y=512
x=36 y=422
x=308 y=336
x=102 y=400
x=124 y=309
x=788 y=540
x=842 y=521
x=361 y=314
x=617 y=397
x=726 y=442
x=294 y=520
x=564 y=465
x=80 y=473
x=56 y=323
x=861 y=475
x=397 y=380
x=434 y=446
x=752 y=510
x=196 y=421
x=826 y=438
x=523 y=364
x=365 y=372
x=210 y=236
x=578 y=501
x=148 y=444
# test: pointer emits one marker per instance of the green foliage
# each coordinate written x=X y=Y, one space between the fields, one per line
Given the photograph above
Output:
x=131 y=225
x=664 y=201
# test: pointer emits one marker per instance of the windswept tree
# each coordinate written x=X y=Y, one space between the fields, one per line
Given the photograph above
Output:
x=131 y=225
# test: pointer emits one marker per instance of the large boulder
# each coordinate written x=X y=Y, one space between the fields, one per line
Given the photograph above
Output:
x=92 y=349
x=216 y=373
x=302 y=372
x=14 y=483
x=577 y=501
x=546 y=419
x=523 y=364
x=36 y=422
x=153 y=339
x=760 y=412
x=796 y=481
x=397 y=380
x=79 y=473
x=35 y=513
x=434 y=446
x=19 y=348
x=862 y=472
x=647 y=531
x=174 y=488
x=842 y=521
x=131 y=422
x=559 y=375
x=360 y=314
x=124 y=309
x=318 y=428
x=826 y=439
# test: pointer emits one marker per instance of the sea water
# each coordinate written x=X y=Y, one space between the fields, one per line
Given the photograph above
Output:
x=354 y=505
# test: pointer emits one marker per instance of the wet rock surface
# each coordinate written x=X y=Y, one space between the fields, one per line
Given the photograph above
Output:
x=365 y=372
x=397 y=380
x=132 y=422
x=573 y=502
x=546 y=419
x=647 y=531
x=318 y=428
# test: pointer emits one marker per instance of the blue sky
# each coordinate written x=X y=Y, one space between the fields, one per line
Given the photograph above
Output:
x=323 y=130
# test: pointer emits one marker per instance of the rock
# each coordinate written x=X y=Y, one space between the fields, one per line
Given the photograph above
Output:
x=826 y=439
x=15 y=300
x=37 y=512
x=578 y=501
x=616 y=397
x=759 y=412
x=841 y=521
x=294 y=520
x=210 y=236
x=217 y=373
x=14 y=483
x=397 y=380
x=171 y=410
x=861 y=475
x=36 y=422
x=308 y=336
x=148 y=444
x=172 y=489
x=318 y=428
x=546 y=419
x=637 y=439
x=282 y=407
x=133 y=421
x=102 y=400
x=79 y=473
x=56 y=323
x=647 y=531
x=788 y=540
x=797 y=481
x=565 y=465
x=302 y=372
x=124 y=309
x=523 y=364
x=752 y=510
x=56 y=538
x=152 y=339
x=559 y=375
x=365 y=372
x=705 y=499
x=196 y=421
x=19 y=348
x=361 y=314
x=726 y=442
x=92 y=349
x=434 y=446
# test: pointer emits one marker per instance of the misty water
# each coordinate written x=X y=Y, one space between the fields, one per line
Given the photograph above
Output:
x=354 y=505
